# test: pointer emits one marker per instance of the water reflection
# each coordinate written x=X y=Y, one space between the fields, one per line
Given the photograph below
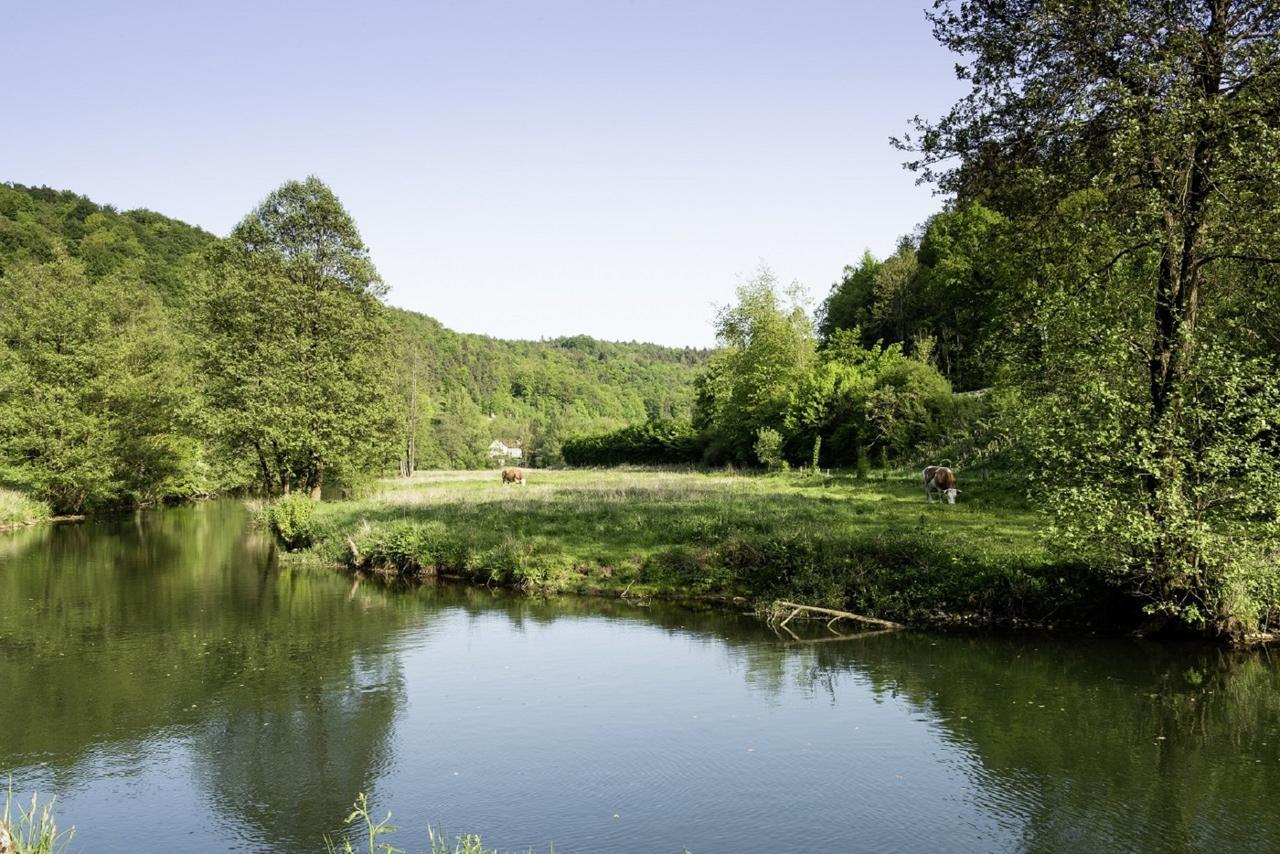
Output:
x=164 y=663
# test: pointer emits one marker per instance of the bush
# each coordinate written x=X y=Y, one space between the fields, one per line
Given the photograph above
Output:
x=409 y=547
x=654 y=442
x=768 y=448
x=864 y=464
x=292 y=520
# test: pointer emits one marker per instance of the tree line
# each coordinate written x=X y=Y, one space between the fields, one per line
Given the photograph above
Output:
x=143 y=359
x=1103 y=275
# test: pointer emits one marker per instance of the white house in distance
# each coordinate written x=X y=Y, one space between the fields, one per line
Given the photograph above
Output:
x=499 y=450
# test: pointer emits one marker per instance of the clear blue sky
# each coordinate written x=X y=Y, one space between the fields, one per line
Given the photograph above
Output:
x=520 y=169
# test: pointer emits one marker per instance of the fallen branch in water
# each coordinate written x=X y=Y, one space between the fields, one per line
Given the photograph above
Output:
x=835 y=615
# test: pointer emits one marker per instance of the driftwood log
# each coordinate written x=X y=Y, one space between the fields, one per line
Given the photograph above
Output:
x=793 y=609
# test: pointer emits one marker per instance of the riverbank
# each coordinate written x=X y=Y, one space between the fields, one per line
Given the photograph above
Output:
x=870 y=546
x=18 y=510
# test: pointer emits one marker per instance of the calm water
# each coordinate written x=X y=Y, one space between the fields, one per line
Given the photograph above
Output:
x=178 y=691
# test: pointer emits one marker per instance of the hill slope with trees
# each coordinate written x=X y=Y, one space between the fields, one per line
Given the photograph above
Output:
x=142 y=358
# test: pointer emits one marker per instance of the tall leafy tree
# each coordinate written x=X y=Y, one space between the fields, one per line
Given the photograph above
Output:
x=1133 y=145
x=848 y=305
x=96 y=406
x=769 y=350
x=962 y=292
x=297 y=343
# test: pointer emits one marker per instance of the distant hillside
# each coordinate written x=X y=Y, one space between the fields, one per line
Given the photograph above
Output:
x=474 y=388
x=471 y=389
x=36 y=221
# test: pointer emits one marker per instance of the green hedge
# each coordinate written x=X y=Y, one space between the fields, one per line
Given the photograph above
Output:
x=654 y=442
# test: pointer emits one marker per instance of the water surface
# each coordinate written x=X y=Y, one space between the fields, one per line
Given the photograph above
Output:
x=180 y=690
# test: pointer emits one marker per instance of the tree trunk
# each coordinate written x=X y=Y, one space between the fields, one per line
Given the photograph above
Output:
x=1178 y=282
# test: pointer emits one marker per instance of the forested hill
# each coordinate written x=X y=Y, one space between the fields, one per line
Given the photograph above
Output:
x=472 y=389
x=37 y=222
x=145 y=268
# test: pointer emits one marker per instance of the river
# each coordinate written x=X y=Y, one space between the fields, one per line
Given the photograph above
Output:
x=179 y=689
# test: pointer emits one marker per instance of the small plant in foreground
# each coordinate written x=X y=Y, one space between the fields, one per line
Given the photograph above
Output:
x=33 y=831
x=469 y=844
x=372 y=830
x=864 y=463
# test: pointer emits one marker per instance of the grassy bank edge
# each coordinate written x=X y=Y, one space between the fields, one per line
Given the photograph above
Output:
x=19 y=511
x=908 y=574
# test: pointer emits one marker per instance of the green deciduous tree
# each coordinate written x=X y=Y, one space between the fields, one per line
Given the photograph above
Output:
x=96 y=401
x=769 y=348
x=1132 y=147
x=297 y=346
x=848 y=305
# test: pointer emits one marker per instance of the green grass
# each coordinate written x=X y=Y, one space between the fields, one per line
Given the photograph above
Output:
x=871 y=546
x=31 y=829
x=18 y=509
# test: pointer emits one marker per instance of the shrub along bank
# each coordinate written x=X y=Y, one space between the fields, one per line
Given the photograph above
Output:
x=870 y=546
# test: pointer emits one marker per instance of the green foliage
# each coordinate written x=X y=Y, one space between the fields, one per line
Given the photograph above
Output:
x=38 y=225
x=654 y=442
x=145 y=359
x=1105 y=135
x=462 y=844
x=471 y=389
x=295 y=343
x=34 y=830
x=96 y=399
x=369 y=829
x=850 y=302
x=768 y=351
x=405 y=547
x=840 y=398
x=864 y=463
x=949 y=288
x=768 y=448
x=292 y=520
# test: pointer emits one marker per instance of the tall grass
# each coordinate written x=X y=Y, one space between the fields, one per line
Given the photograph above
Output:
x=872 y=546
x=19 y=509
x=33 y=830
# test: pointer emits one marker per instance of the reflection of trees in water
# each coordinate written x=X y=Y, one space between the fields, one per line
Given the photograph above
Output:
x=1099 y=744
x=113 y=632
x=1085 y=744
x=290 y=764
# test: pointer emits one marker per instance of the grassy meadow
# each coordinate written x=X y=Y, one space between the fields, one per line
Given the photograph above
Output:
x=873 y=546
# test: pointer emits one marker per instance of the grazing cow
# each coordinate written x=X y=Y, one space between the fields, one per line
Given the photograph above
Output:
x=942 y=480
x=513 y=476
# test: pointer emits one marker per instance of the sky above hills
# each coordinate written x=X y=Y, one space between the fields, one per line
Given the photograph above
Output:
x=521 y=169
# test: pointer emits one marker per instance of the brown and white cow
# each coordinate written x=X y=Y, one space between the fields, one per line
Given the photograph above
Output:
x=942 y=480
x=513 y=476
